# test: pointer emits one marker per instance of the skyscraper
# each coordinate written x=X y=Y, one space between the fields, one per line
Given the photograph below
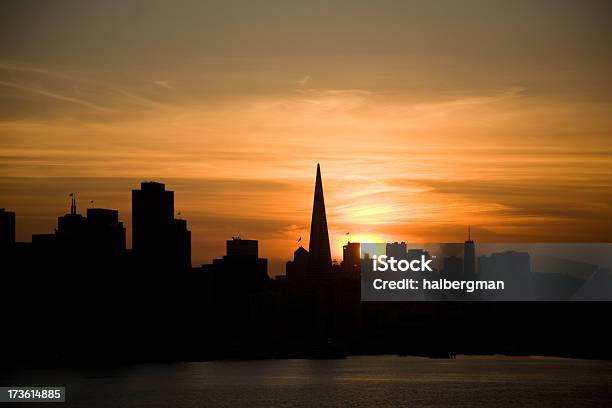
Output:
x=469 y=257
x=396 y=249
x=157 y=237
x=106 y=233
x=241 y=269
x=319 y=254
x=94 y=242
x=351 y=257
x=7 y=228
x=298 y=267
x=152 y=214
x=71 y=228
x=238 y=247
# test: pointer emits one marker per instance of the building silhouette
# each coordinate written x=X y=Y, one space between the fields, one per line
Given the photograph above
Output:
x=506 y=264
x=95 y=240
x=71 y=227
x=452 y=267
x=351 y=257
x=319 y=254
x=159 y=239
x=7 y=228
x=396 y=250
x=241 y=269
x=106 y=232
x=298 y=267
x=242 y=248
x=469 y=257
x=514 y=268
x=152 y=214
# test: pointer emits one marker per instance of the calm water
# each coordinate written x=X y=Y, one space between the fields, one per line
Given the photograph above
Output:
x=385 y=381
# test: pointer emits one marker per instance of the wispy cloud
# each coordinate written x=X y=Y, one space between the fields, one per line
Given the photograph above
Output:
x=37 y=90
x=303 y=81
x=164 y=83
x=95 y=99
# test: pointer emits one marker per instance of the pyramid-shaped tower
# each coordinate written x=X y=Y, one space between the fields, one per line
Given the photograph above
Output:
x=319 y=254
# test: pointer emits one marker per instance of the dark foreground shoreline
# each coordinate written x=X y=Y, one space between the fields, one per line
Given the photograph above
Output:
x=313 y=356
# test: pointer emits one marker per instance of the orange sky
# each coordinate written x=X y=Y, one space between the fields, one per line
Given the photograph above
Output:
x=424 y=118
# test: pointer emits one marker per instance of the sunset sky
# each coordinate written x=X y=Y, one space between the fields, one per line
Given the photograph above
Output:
x=426 y=116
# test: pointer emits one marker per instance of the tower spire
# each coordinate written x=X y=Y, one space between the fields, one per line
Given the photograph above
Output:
x=319 y=254
x=469 y=256
x=73 y=210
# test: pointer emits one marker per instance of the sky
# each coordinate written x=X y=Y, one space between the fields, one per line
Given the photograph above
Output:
x=425 y=116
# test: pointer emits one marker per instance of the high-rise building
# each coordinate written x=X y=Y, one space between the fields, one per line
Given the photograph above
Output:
x=91 y=242
x=157 y=237
x=71 y=228
x=297 y=268
x=238 y=247
x=469 y=257
x=351 y=257
x=106 y=232
x=514 y=269
x=319 y=254
x=396 y=250
x=504 y=265
x=152 y=214
x=241 y=268
x=180 y=244
x=452 y=267
x=7 y=228
x=416 y=253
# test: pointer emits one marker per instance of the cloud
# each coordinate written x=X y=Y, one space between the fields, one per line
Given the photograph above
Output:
x=164 y=83
x=38 y=93
x=303 y=81
x=53 y=95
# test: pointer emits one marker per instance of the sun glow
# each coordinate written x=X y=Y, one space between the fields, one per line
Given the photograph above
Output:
x=338 y=240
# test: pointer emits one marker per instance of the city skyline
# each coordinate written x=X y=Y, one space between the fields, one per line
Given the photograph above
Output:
x=276 y=265
x=151 y=304
x=159 y=226
x=164 y=235
x=425 y=117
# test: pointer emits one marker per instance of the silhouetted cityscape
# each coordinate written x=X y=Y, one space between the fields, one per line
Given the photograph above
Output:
x=81 y=297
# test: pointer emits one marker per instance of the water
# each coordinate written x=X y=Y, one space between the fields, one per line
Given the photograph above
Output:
x=385 y=381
